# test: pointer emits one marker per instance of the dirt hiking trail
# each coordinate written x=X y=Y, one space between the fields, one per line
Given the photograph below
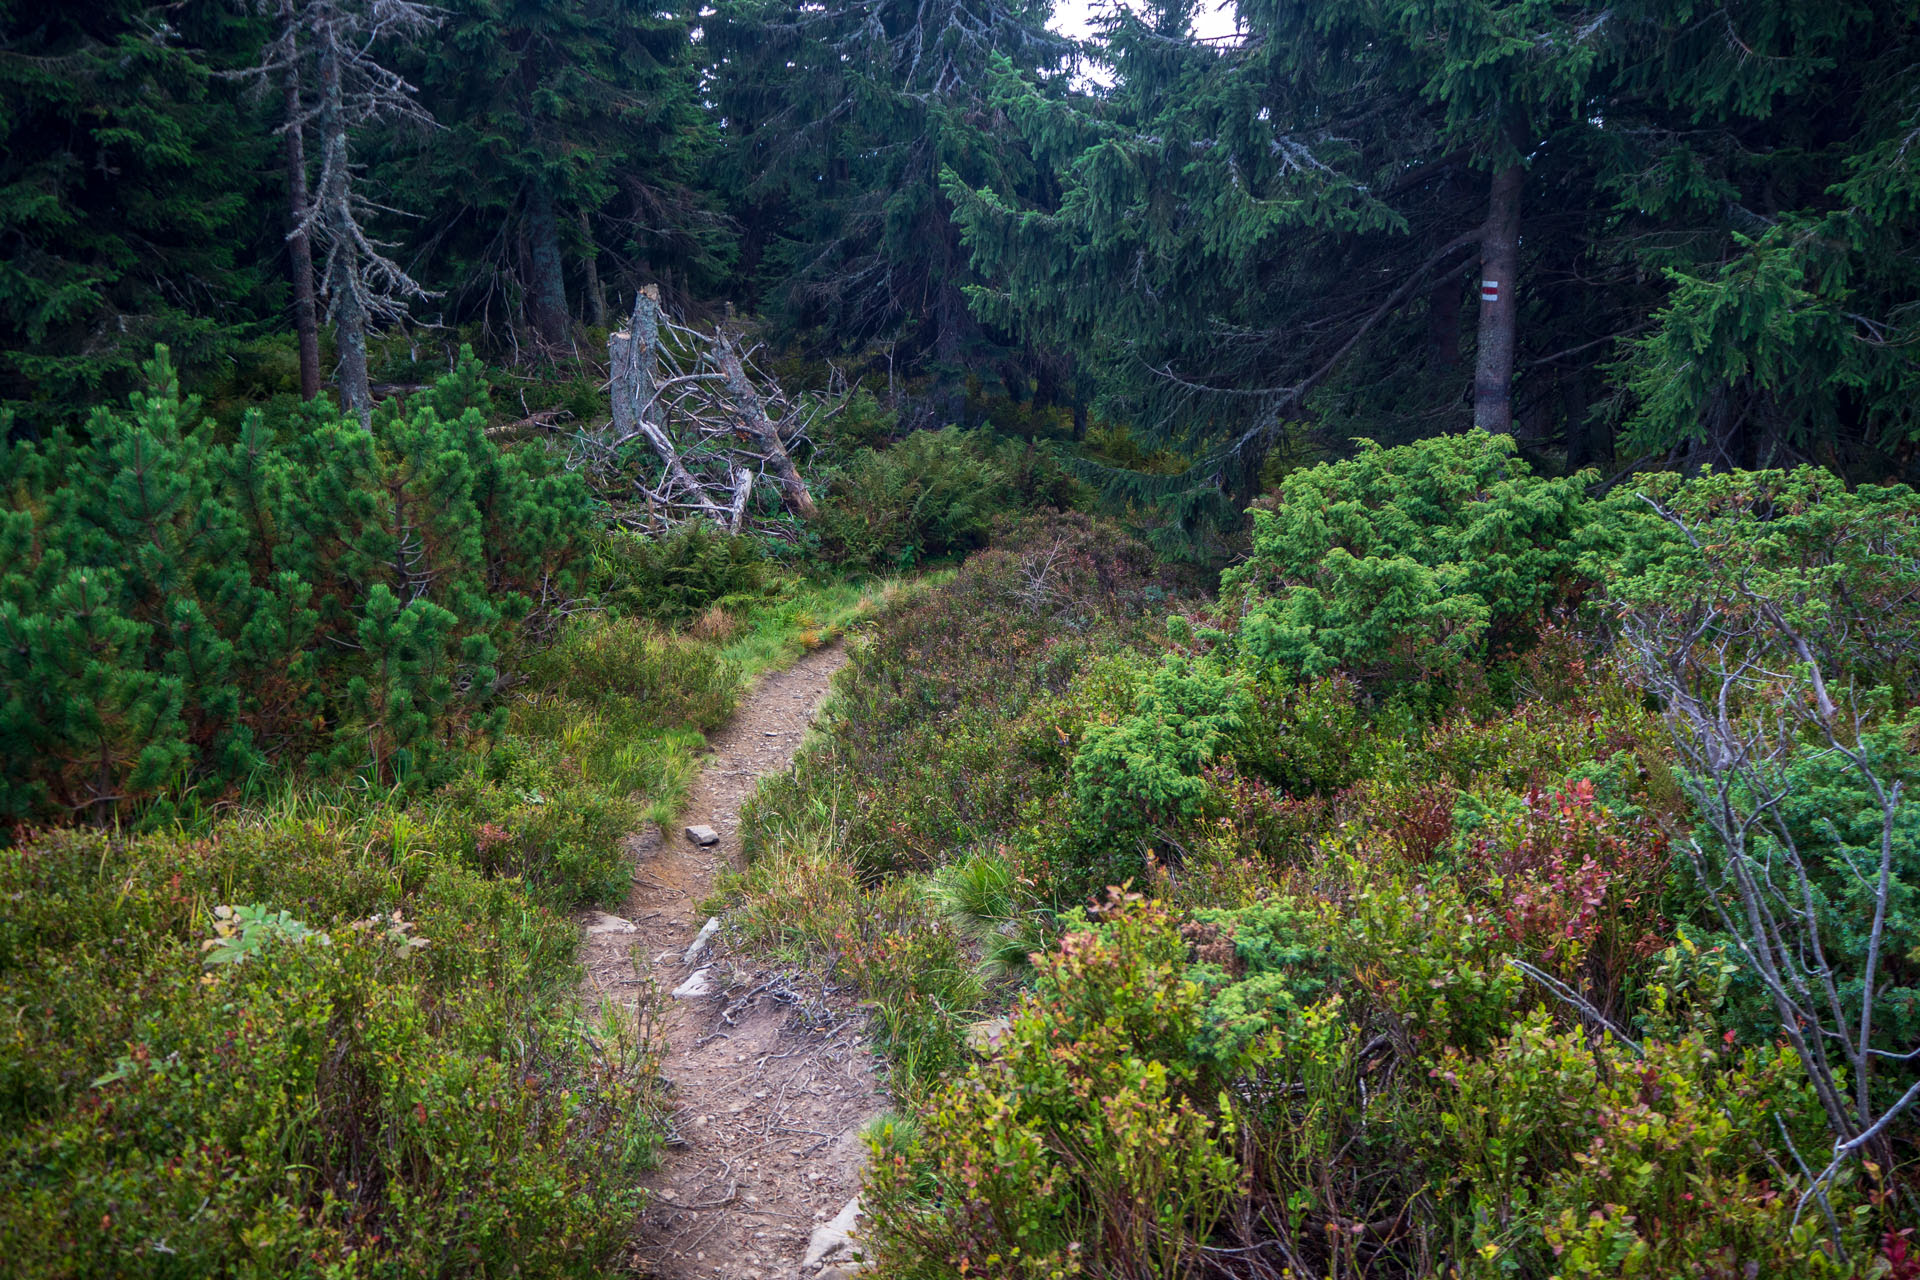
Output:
x=769 y=1077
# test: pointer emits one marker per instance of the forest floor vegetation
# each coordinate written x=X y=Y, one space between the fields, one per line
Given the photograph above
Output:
x=307 y=797
x=1389 y=913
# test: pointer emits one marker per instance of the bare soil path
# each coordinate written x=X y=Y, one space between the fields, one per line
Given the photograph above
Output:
x=770 y=1077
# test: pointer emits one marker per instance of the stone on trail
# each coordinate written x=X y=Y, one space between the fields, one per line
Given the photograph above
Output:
x=834 y=1241
x=703 y=836
x=604 y=923
x=699 y=944
x=699 y=983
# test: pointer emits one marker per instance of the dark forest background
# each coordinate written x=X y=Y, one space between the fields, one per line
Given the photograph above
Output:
x=1245 y=250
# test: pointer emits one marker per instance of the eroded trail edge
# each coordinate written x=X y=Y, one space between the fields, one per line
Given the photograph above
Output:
x=770 y=1079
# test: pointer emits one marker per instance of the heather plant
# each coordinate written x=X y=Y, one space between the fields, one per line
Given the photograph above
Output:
x=183 y=613
x=1299 y=1103
x=309 y=1043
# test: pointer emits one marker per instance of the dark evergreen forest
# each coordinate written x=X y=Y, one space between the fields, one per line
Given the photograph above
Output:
x=1698 y=217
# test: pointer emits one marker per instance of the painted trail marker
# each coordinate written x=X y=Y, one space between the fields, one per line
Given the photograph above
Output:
x=1489 y=291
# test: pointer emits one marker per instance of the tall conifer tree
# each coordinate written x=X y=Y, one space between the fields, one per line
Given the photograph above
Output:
x=839 y=120
x=124 y=195
x=574 y=132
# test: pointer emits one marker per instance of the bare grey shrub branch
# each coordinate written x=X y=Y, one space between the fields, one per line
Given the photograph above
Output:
x=1749 y=703
x=715 y=427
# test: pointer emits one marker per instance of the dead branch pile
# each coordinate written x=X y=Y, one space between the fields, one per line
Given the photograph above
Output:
x=697 y=433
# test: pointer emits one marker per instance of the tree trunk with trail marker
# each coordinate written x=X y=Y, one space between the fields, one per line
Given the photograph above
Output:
x=1499 y=303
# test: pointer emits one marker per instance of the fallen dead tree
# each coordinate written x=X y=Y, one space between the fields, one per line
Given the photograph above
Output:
x=697 y=432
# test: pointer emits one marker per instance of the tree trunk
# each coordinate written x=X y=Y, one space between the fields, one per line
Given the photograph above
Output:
x=346 y=307
x=951 y=324
x=306 y=317
x=596 y=313
x=765 y=432
x=1499 y=303
x=547 y=288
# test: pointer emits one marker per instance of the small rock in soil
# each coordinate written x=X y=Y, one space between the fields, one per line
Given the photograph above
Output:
x=833 y=1239
x=604 y=923
x=699 y=944
x=703 y=835
x=699 y=983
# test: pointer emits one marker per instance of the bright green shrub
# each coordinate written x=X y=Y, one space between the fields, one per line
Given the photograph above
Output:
x=373 y=1070
x=933 y=494
x=1412 y=562
x=1263 y=963
x=673 y=577
x=1145 y=767
x=178 y=612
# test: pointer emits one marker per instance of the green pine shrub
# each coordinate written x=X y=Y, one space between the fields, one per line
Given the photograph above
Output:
x=1147 y=764
x=1410 y=564
x=182 y=613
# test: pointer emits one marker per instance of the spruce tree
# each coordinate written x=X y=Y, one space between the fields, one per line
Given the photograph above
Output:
x=839 y=121
x=573 y=135
x=125 y=190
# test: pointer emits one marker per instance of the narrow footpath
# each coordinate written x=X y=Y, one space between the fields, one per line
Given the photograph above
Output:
x=769 y=1076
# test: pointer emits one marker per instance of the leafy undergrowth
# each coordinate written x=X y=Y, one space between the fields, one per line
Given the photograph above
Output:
x=1421 y=960
x=334 y=1031
x=338 y=1036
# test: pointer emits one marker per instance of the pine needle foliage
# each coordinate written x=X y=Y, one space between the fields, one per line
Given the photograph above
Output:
x=180 y=612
